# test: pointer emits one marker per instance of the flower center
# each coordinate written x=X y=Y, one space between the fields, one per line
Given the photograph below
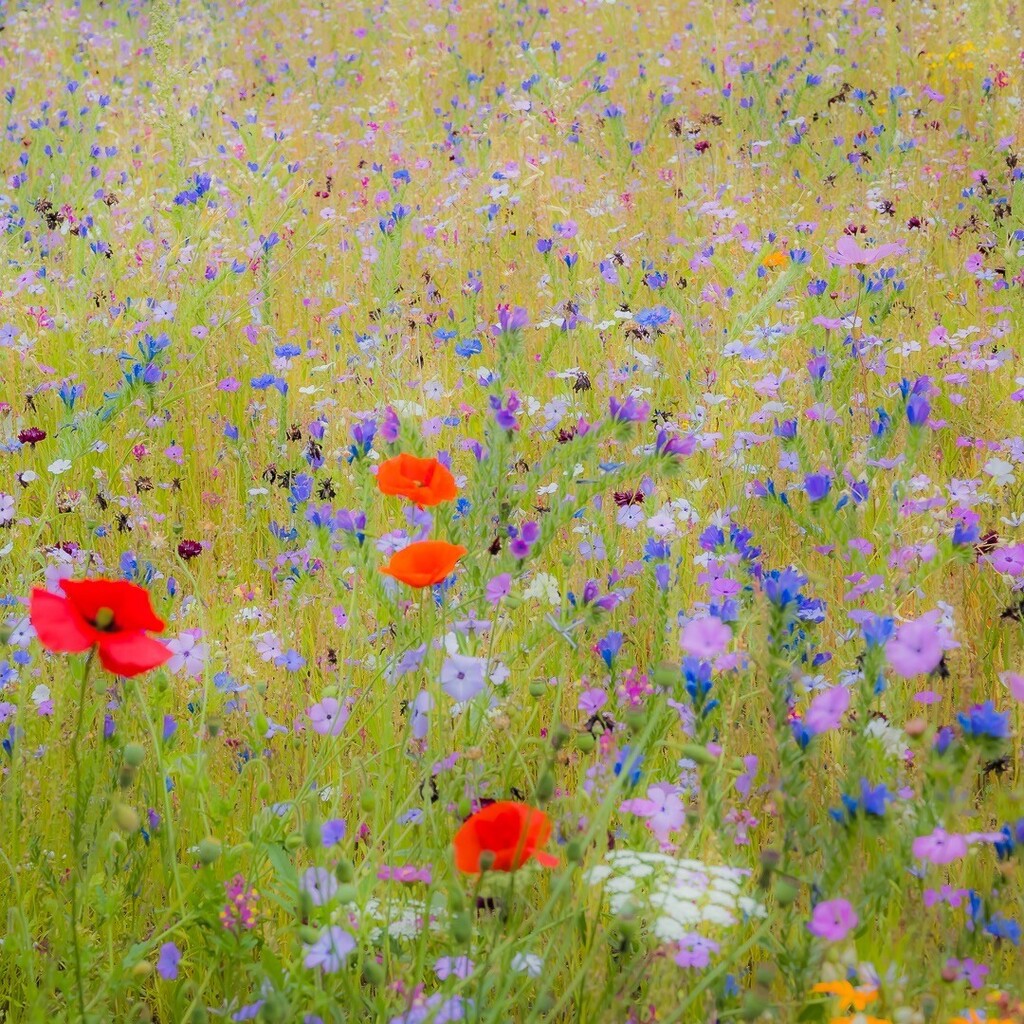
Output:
x=104 y=618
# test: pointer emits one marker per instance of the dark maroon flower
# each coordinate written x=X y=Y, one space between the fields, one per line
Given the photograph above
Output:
x=624 y=498
x=190 y=549
x=32 y=436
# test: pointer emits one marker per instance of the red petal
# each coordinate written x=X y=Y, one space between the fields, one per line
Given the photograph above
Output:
x=57 y=624
x=131 y=654
x=129 y=603
x=549 y=860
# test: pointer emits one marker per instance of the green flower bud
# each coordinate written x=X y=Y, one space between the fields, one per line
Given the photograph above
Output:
x=367 y=800
x=127 y=818
x=538 y=688
x=753 y=1006
x=544 y=1003
x=126 y=776
x=347 y=893
x=786 y=891
x=209 y=850
x=695 y=752
x=343 y=870
x=133 y=754
x=373 y=973
x=293 y=840
x=308 y=935
x=311 y=833
x=462 y=928
x=574 y=851
x=545 y=787
x=585 y=742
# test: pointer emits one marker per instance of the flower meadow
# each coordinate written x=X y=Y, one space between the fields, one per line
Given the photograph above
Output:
x=511 y=511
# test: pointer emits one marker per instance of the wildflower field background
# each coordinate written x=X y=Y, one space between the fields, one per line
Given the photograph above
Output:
x=511 y=511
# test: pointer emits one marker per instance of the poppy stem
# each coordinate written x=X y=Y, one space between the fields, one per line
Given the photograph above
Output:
x=76 y=832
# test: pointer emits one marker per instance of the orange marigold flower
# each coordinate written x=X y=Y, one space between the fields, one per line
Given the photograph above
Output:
x=857 y=998
x=424 y=481
x=506 y=834
x=424 y=562
x=776 y=259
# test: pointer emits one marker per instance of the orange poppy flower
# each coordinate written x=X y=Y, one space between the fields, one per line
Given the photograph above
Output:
x=857 y=998
x=424 y=481
x=424 y=562
x=776 y=259
x=511 y=833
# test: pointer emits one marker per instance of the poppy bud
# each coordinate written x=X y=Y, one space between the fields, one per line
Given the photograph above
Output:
x=346 y=894
x=465 y=808
x=544 y=1003
x=142 y=969
x=343 y=871
x=311 y=833
x=486 y=860
x=538 y=688
x=635 y=719
x=545 y=787
x=695 y=752
x=127 y=818
x=209 y=850
x=293 y=841
x=126 y=776
x=373 y=973
x=585 y=742
x=308 y=935
x=753 y=1006
x=305 y=905
x=263 y=791
x=456 y=900
x=559 y=736
x=262 y=724
x=367 y=800
x=786 y=891
x=574 y=852
x=664 y=675
x=133 y=754
x=462 y=928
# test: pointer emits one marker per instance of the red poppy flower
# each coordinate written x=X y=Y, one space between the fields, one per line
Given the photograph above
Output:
x=424 y=562
x=511 y=833
x=424 y=481
x=110 y=615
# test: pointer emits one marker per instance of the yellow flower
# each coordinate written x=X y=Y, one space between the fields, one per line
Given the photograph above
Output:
x=850 y=997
